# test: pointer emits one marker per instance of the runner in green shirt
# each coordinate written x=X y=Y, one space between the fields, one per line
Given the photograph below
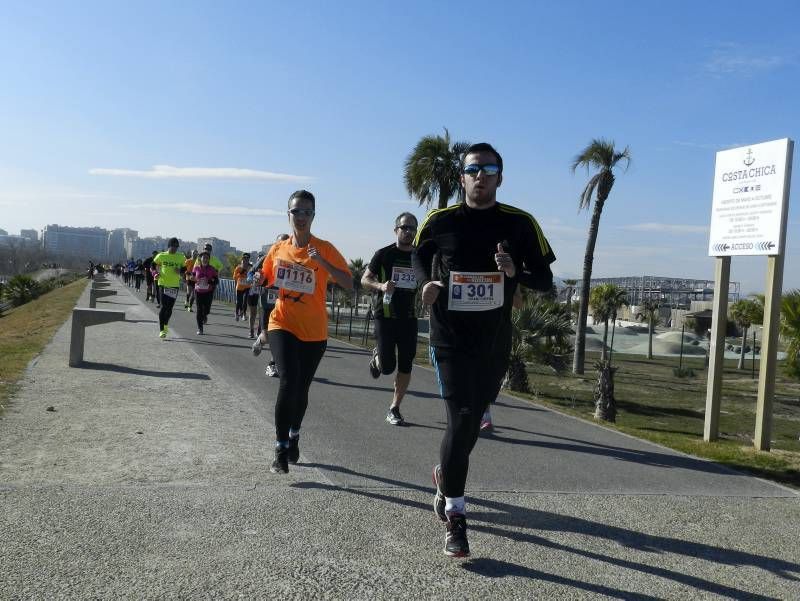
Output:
x=170 y=265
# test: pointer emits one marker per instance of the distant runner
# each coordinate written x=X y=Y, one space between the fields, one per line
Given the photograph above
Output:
x=170 y=267
x=204 y=278
x=268 y=297
x=469 y=259
x=216 y=264
x=188 y=267
x=149 y=280
x=298 y=326
x=391 y=277
x=242 y=286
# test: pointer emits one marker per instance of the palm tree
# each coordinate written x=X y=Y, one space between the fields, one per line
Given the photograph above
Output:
x=357 y=268
x=790 y=330
x=745 y=313
x=600 y=155
x=606 y=300
x=537 y=320
x=433 y=170
x=649 y=311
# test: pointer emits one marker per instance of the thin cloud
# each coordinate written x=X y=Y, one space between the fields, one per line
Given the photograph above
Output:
x=200 y=209
x=733 y=59
x=666 y=227
x=167 y=171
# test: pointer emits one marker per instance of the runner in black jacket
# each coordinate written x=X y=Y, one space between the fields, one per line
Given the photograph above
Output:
x=469 y=259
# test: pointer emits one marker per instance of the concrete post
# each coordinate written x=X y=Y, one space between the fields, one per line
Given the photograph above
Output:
x=81 y=319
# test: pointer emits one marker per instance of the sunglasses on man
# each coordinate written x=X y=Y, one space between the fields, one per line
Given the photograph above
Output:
x=303 y=212
x=474 y=169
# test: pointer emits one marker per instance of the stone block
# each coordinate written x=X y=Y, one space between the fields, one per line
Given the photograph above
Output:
x=82 y=318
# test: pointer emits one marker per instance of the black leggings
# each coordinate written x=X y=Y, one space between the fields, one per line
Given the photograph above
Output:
x=138 y=280
x=241 y=305
x=297 y=362
x=167 y=302
x=468 y=383
x=400 y=334
x=203 y=307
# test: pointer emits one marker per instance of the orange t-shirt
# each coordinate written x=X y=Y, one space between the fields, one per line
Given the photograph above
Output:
x=240 y=277
x=189 y=265
x=300 y=307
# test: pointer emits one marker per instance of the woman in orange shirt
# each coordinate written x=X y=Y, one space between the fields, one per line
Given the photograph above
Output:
x=298 y=325
x=242 y=287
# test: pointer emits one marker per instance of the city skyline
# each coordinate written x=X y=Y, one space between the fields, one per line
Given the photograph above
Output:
x=208 y=125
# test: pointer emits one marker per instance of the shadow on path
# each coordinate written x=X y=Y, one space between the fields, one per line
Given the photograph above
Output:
x=180 y=375
x=414 y=393
x=528 y=520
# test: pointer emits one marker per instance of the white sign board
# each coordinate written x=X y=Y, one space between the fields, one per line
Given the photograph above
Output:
x=749 y=203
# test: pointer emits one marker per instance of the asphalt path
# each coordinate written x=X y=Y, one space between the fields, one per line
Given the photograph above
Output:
x=532 y=449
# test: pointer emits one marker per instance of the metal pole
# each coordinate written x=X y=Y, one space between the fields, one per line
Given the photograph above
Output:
x=350 y=331
x=680 y=361
x=613 y=329
x=754 y=353
x=336 y=329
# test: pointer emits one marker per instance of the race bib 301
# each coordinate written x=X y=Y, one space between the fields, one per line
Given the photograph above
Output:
x=476 y=291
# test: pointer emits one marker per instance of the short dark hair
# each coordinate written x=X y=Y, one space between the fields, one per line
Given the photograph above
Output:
x=405 y=214
x=173 y=242
x=483 y=147
x=303 y=195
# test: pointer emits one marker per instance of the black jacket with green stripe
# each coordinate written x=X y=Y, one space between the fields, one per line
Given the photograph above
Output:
x=458 y=238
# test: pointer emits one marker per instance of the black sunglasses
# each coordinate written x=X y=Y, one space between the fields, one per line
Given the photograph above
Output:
x=304 y=212
x=474 y=169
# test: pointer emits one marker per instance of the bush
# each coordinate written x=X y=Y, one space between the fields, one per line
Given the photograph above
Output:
x=683 y=372
x=21 y=289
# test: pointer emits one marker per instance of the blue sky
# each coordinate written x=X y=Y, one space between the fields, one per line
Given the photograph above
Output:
x=333 y=96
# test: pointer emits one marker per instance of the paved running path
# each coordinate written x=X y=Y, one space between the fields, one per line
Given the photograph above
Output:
x=150 y=480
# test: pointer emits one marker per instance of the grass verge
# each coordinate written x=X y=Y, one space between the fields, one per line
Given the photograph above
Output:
x=656 y=405
x=25 y=330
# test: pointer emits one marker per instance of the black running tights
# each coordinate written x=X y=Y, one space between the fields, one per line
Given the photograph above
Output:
x=167 y=302
x=203 y=307
x=468 y=383
x=297 y=362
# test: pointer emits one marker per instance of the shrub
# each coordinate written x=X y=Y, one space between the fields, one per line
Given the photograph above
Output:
x=21 y=289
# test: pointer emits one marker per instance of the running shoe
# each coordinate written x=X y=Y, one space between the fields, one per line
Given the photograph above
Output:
x=486 y=425
x=162 y=334
x=374 y=370
x=438 y=498
x=186 y=306
x=251 y=335
x=272 y=370
x=455 y=541
x=394 y=417
x=280 y=465
x=200 y=332
x=190 y=309
x=294 y=450
x=256 y=348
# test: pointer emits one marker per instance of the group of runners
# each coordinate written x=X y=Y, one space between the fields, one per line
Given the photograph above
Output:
x=466 y=262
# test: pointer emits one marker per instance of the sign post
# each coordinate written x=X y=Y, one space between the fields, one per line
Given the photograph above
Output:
x=748 y=217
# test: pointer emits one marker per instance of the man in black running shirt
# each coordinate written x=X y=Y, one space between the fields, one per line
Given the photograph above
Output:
x=391 y=278
x=469 y=259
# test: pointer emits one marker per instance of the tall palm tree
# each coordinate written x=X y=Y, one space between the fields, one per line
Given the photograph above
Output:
x=601 y=155
x=606 y=300
x=432 y=172
x=745 y=312
x=649 y=311
x=790 y=330
x=357 y=268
